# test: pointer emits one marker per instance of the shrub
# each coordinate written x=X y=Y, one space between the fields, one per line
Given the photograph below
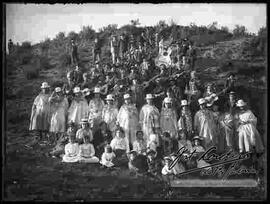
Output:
x=64 y=60
x=31 y=73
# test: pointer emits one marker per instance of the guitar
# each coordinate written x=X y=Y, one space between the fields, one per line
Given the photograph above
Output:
x=146 y=83
x=212 y=98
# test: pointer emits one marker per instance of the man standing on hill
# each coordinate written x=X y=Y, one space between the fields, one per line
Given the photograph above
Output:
x=114 y=49
x=74 y=53
x=191 y=54
x=10 y=46
x=97 y=50
x=122 y=47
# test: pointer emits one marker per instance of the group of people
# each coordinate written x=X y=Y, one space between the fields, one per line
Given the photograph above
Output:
x=117 y=115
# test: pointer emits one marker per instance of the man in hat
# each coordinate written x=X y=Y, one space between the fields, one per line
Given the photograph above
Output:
x=204 y=124
x=10 y=46
x=168 y=118
x=78 y=108
x=149 y=117
x=191 y=56
x=249 y=137
x=95 y=109
x=114 y=49
x=97 y=49
x=109 y=113
x=40 y=115
x=185 y=119
x=59 y=108
x=230 y=83
x=128 y=119
x=122 y=44
x=78 y=76
x=74 y=53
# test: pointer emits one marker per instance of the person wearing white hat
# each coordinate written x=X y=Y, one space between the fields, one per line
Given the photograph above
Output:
x=128 y=119
x=168 y=118
x=84 y=130
x=40 y=115
x=185 y=119
x=78 y=108
x=109 y=113
x=149 y=117
x=153 y=142
x=59 y=108
x=248 y=134
x=204 y=124
x=95 y=109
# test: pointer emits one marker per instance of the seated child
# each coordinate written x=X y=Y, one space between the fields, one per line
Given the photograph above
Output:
x=139 y=145
x=199 y=151
x=120 y=147
x=71 y=151
x=153 y=142
x=107 y=157
x=154 y=165
x=137 y=162
x=59 y=149
x=166 y=170
x=87 y=151
x=167 y=143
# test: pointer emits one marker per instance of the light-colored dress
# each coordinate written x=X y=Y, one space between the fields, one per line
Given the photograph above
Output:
x=227 y=124
x=87 y=153
x=120 y=143
x=71 y=152
x=204 y=124
x=107 y=158
x=166 y=171
x=128 y=119
x=248 y=134
x=152 y=145
x=185 y=143
x=109 y=115
x=40 y=116
x=185 y=121
x=149 y=120
x=78 y=110
x=139 y=146
x=168 y=121
x=59 y=113
x=81 y=132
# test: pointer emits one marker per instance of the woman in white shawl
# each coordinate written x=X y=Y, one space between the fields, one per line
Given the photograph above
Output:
x=128 y=119
x=149 y=118
x=40 y=115
x=168 y=118
x=59 y=107
x=249 y=136
x=78 y=108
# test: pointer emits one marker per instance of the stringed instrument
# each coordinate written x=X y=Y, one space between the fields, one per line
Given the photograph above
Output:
x=212 y=98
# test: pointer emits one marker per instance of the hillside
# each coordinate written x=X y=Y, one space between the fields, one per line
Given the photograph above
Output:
x=28 y=170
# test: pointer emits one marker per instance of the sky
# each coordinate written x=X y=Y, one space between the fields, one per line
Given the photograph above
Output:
x=35 y=22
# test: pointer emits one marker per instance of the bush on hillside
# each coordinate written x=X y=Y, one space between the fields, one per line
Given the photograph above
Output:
x=64 y=60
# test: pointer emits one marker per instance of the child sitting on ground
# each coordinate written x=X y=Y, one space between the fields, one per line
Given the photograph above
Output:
x=71 y=151
x=59 y=149
x=87 y=151
x=153 y=142
x=137 y=162
x=154 y=165
x=139 y=145
x=107 y=157
x=120 y=147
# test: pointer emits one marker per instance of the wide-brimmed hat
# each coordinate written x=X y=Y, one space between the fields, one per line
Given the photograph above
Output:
x=184 y=103
x=197 y=138
x=201 y=101
x=167 y=100
x=127 y=96
x=84 y=120
x=152 y=137
x=45 y=85
x=97 y=90
x=149 y=96
x=232 y=93
x=76 y=90
x=96 y=62
x=241 y=103
x=109 y=97
x=86 y=91
x=57 y=89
